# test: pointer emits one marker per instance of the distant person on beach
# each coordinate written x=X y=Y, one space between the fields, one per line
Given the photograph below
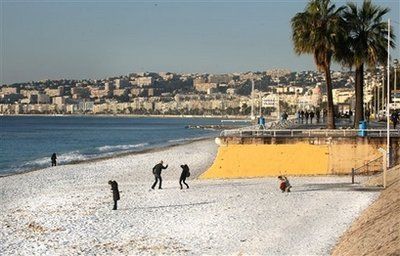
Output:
x=185 y=173
x=284 y=185
x=157 y=174
x=54 y=159
x=115 y=191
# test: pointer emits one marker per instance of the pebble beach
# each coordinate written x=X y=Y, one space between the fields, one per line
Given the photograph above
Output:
x=66 y=210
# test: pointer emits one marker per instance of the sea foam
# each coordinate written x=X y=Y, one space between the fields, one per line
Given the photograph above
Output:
x=187 y=139
x=109 y=148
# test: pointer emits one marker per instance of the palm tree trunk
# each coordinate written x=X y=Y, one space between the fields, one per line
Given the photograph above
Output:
x=330 y=121
x=359 y=87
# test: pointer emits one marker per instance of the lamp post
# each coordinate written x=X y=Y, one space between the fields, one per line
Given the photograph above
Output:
x=388 y=101
x=376 y=97
x=395 y=64
x=383 y=91
x=379 y=94
x=252 y=117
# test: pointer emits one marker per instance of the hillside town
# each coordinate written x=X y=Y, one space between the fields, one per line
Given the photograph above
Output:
x=166 y=93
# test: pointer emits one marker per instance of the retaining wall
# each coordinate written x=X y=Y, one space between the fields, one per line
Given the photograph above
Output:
x=258 y=157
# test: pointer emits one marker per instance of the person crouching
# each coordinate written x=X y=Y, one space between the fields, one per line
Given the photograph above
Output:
x=284 y=185
x=115 y=191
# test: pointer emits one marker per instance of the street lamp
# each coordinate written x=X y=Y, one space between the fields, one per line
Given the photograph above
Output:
x=395 y=64
x=383 y=90
x=387 y=105
x=252 y=117
x=376 y=91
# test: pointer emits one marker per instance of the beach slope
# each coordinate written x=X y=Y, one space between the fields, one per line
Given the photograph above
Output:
x=377 y=230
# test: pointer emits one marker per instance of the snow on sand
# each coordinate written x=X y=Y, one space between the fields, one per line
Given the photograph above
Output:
x=66 y=210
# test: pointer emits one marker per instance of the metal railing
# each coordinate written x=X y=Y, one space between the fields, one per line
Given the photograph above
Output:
x=373 y=166
x=260 y=131
x=277 y=125
x=283 y=123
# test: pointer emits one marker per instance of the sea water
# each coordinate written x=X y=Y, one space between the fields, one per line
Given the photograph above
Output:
x=27 y=142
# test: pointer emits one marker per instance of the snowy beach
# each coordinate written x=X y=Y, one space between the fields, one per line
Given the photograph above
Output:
x=66 y=210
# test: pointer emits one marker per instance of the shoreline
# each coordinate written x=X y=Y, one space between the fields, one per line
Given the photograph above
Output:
x=239 y=117
x=114 y=156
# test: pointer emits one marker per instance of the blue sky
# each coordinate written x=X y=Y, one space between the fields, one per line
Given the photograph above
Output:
x=95 y=39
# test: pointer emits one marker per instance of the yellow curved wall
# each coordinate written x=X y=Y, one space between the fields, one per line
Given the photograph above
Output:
x=257 y=160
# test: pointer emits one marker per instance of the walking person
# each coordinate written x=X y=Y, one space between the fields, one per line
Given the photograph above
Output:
x=285 y=116
x=298 y=116
x=157 y=174
x=311 y=116
x=54 y=159
x=318 y=115
x=324 y=114
x=115 y=191
x=302 y=116
x=185 y=173
x=395 y=119
x=351 y=116
x=306 y=115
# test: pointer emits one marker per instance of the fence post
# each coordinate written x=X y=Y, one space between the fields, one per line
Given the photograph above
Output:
x=352 y=175
x=384 y=163
x=384 y=170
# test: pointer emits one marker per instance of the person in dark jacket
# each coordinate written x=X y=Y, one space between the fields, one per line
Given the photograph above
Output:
x=395 y=119
x=302 y=116
x=306 y=115
x=185 y=173
x=284 y=185
x=311 y=116
x=54 y=159
x=157 y=174
x=115 y=191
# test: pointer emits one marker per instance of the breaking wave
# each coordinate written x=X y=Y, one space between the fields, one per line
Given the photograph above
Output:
x=121 y=147
x=187 y=139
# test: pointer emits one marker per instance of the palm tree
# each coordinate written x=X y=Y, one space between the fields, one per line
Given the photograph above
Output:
x=315 y=31
x=365 y=43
